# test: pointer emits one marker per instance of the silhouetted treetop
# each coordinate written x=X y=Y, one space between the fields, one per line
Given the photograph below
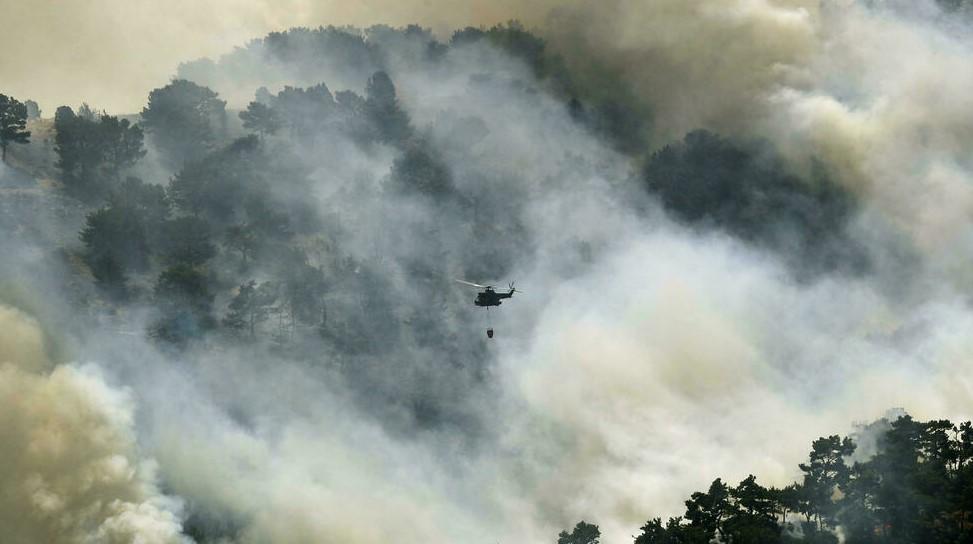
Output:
x=13 y=124
x=185 y=120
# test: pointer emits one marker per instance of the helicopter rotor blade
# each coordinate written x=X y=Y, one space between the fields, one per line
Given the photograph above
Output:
x=471 y=284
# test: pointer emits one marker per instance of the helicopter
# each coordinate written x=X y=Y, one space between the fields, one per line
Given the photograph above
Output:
x=489 y=296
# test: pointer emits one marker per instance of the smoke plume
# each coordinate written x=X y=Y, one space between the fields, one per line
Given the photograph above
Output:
x=70 y=463
x=647 y=354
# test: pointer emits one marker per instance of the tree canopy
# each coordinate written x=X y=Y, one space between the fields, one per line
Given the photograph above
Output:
x=95 y=151
x=13 y=124
x=185 y=120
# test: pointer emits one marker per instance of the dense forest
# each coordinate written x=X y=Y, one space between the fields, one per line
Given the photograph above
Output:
x=298 y=209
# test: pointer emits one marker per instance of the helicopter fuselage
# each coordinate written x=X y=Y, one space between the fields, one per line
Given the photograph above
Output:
x=491 y=297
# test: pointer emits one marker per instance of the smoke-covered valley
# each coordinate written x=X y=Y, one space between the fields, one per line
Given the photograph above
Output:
x=231 y=317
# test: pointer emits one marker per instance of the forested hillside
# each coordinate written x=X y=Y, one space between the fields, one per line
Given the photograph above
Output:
x=254 y=224
x=248 y=286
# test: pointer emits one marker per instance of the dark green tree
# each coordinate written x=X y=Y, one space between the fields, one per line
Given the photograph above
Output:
x=301 y=288
x=786 y=500
x=261 y=118
x=654 y=532
x=305 y=112
x=753 y=518
x=94 y=152
x=13 y=124
x=250 y=307
x=242 y=238
x=583 y=533
x=217 y=185
x=857 y=507
x=186 y=240
x=76 y=145
x=263 y=96
x=184 y=301
x=120 y=144
x=898 y=465
x=390 y=122
x=116 y=243
x=419 y=170
x=707 y=511
x=673 y=532
x=185 y=120
x=513 y=39
x=184 y=286
x=148 y=200
x=962 y=485
x=824 y=473
x=267 y=221
x=351 y=117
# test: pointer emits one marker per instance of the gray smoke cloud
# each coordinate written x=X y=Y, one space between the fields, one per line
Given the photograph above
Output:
x=71 y=469
x=628 y=375
x=75 y=51
x=875 y=90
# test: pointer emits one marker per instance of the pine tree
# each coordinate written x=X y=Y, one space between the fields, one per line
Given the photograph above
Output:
x=13 y=124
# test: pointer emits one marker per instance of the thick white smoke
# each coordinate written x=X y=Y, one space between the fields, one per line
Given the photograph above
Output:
x=68 y=458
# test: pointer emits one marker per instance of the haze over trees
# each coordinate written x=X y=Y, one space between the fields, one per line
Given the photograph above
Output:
x=317 y=220
x=235 y=218
x=33 y=110
x=260 y=118
x=708 y=180
x=119 y=237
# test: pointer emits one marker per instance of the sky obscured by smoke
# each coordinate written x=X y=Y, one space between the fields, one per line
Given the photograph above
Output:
x=624 y=380
x=113 y=52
